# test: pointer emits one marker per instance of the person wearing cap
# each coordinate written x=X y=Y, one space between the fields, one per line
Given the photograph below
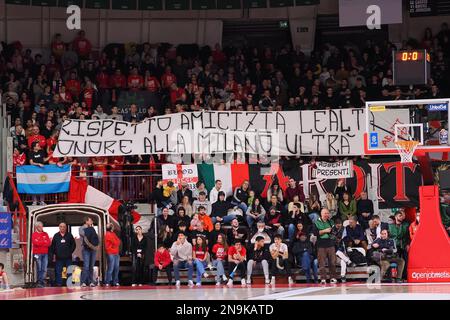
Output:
x=181 y=251
x=258 y=254
x=221 y=210
x=237 y=262
x=202 y=201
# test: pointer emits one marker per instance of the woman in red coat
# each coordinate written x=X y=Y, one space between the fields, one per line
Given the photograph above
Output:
x=112 y=248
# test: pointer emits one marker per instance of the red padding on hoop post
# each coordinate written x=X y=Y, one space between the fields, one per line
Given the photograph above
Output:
x=429 y=258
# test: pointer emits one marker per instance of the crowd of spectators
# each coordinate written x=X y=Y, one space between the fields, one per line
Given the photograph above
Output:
x=74 y=81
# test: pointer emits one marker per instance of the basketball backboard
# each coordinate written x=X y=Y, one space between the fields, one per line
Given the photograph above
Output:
x=425 y=121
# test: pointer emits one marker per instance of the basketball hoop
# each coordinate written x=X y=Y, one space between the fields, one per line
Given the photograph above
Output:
x=406 y=149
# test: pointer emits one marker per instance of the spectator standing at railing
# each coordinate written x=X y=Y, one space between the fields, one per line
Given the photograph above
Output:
x=61 y=250
x=19 y=158
x=116 y=176
x=41 y=244
x=35 y=136
x=115 y=115
x=37 y=158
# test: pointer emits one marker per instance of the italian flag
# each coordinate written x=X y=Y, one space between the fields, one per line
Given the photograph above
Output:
x=259 y=176
x=231 y=175
x=81 y=192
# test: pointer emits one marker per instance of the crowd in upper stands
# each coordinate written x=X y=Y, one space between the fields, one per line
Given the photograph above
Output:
x=75 y=82
x=71 y=80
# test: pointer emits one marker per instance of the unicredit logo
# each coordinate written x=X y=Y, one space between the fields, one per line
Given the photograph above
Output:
x=437 y=107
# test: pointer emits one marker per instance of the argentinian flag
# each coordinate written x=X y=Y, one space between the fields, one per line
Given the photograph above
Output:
x=49 y=179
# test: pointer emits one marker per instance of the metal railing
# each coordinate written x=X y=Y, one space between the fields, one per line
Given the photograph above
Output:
x=132 y=183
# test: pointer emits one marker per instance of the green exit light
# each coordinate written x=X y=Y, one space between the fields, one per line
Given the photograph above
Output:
x=284 y=24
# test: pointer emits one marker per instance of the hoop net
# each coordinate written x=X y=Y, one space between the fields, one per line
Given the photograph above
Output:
x=406 y=149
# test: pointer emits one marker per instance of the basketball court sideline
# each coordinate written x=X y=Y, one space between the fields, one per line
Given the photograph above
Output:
x=356 y=291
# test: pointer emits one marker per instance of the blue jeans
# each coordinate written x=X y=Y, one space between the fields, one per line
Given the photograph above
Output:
x=177 y=265
x=241 y=206
x=112 y=272
x=41 y=264
x=226 y=219
x=251 y=220
x=89 y=257
x=59 y=265
x=200 y=266
x=115 y=184
x=305 y=259
x=220 y=269
x=291 y=232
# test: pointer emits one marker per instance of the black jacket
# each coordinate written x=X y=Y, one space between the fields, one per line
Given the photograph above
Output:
x=364 y=206
x=138 y=245
x=299 y=247
x=62 y=246
x=158 y=197
x=170 y=221
x=220 y=208
x=181 y=194
x=258 y=255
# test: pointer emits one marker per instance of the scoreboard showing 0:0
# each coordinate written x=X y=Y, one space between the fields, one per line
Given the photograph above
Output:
x=411 y=56
x=411 y=67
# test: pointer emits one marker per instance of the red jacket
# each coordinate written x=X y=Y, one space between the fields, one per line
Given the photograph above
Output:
x=162 y=258
x=112 y=243
x=41 y=242
x=291 y=192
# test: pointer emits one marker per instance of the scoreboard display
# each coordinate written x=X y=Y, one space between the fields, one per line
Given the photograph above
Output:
x=411 y=67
